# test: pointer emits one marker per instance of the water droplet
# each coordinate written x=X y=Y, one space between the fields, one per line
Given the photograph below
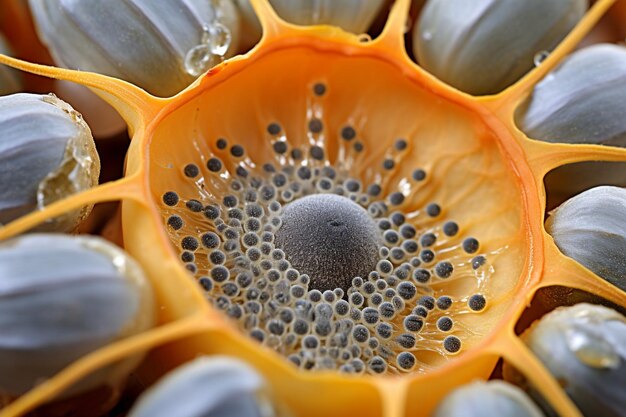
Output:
x=219 y=39
x=540 y=57
x=198 y=60
x=591 y=348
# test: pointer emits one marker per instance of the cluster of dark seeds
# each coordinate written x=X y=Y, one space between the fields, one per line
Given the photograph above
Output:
x=323 y=268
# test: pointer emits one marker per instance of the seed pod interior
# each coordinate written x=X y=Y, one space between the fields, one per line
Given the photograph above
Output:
x=462 y=176
x=371 y=127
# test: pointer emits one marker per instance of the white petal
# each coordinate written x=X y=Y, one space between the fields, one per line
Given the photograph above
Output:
x=144 y=42
x=207 y=387
x=483 y=46
x=493 y=398
x=591 y=228
x=582 y=101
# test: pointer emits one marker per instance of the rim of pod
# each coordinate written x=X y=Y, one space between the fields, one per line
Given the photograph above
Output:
x=482 y=169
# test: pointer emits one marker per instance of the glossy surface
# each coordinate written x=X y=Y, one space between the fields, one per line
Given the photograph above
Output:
x=481 y=171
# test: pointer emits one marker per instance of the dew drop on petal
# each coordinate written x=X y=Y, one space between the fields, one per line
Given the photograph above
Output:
x=198 y=60
x=219 y=39
x=540 y=57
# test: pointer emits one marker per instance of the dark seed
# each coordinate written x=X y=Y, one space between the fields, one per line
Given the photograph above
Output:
x=444 y=324
x=189 y=243
x=315 y=125
x=210 y=240
x=470 y=245
x=407 y=231
x=358 y=146
x=384 y=330
x=214 y=165
x=230 y=201
x=426 y=301
x=421 y=311
x=219 y=273
x=444 y=269
x=276 y=327
x=304 y=173
x=410 y=246
x=378 y=365
x=428 y=239
x=384 y=224
x=170 y=198
x=370 y=315
x=452 y=344
x=237 y=151
x=388 y=164
x=273 y=129
x=406 y=340
x=194 y=206
x=241 y=171
x=396 y=198
x=280 y=147
x=191 y=170
x=348 y=133
x=444 y=302
x=406 y=290
x=360 y=333
x=397 y=254
x=317 y=153
x=433 y=210
x=478 y=261
x=427 y=255
x=221 y=143
x=257 y=334
x=421 y=275
x=296 y=154
x=401 y=144
x=319 y=89
x=450 y=228
x=406 y=360
x=386 y=310
x=477 y=302
x=398 y=218
x=211 y=212
x=217 y=257
x=419 y=175
x=206 y=283
x=175 y=222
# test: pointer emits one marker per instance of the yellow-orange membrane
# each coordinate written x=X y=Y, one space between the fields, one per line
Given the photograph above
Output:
x=247 y=195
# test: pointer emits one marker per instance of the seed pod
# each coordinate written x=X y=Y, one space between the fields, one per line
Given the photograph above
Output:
x=161 y=46
x=493 y=398
x=62 y=297
x=46 y=154
x=584 y=347
x=482 y=47
x=581 y=101
x=10 y=81
x=208 y=387
x=352 y=15
x=591 y=229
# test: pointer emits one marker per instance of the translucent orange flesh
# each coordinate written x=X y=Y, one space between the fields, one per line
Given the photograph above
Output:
x=484 y=172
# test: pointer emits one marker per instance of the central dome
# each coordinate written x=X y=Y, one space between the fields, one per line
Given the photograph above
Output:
x=330 y=238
